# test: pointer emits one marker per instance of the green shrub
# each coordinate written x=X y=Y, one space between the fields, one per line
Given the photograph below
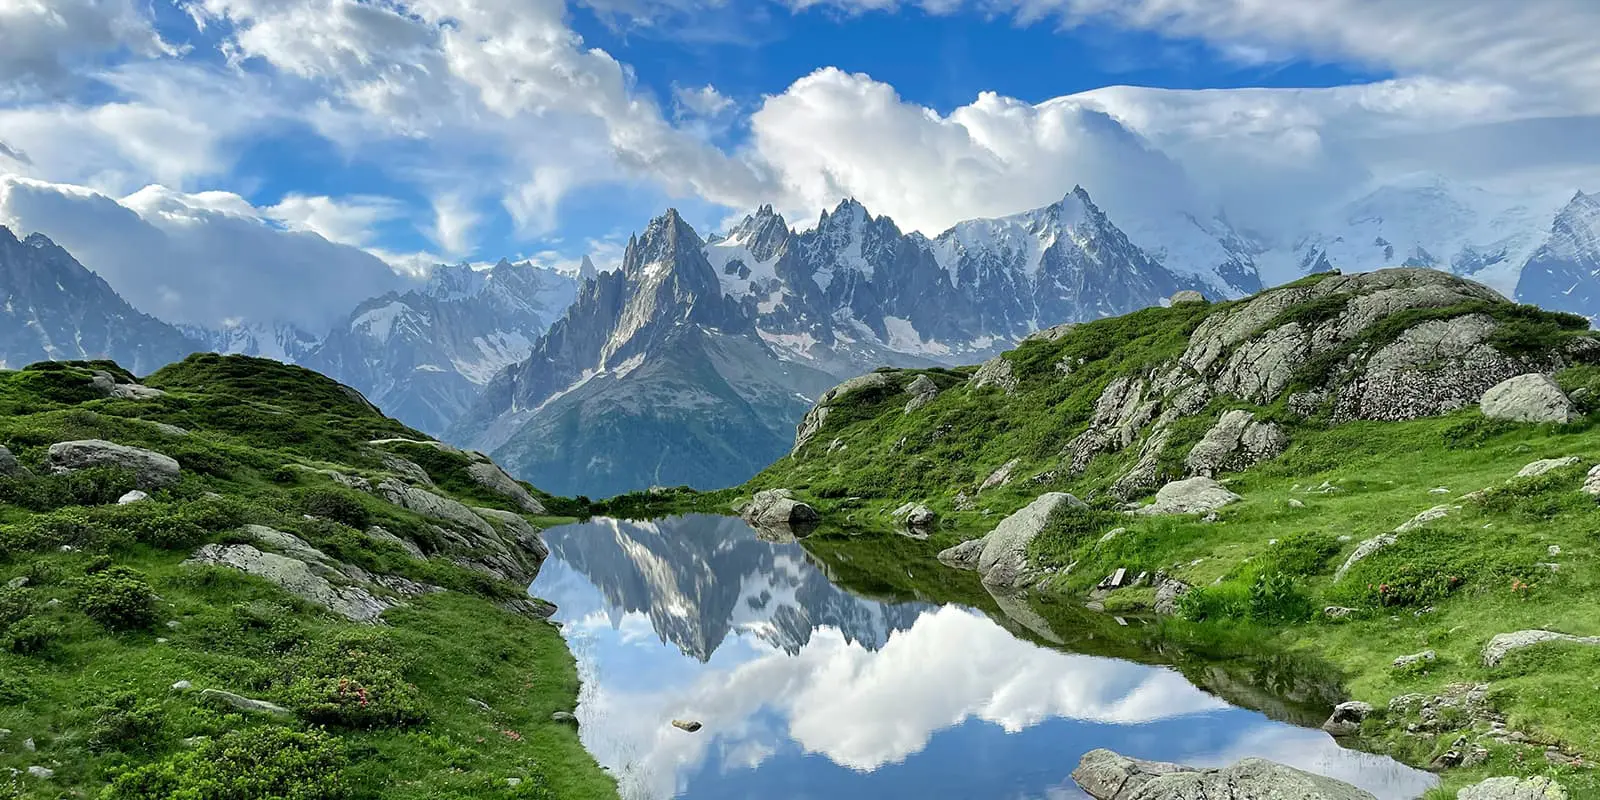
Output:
x=1228 y=600
x=118 y=598
x=267 y=763
x=31 y=636
x=1474 y=431
x=124 y=722
x=86 y=487
x=1540 y=498
x=339 y=505
x=1276 y=597
x=15 y=687
x=1303 y=553
x=14 y=605
x=353 y=681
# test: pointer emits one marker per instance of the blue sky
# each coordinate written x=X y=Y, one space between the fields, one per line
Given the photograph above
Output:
x=403 y=133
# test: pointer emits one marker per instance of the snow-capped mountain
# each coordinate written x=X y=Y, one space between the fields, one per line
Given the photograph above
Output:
x=1564 y=273
x=699 y=578
x=52 y=307
x=654 y=375
x=282 y=341
x=711 y=351
x=424 y=355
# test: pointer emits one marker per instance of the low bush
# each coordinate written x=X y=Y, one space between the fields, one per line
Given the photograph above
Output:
x=118 y=598
x=86 y=487
x=126 y=723
x=353 y=681
x=15 y=604
x=268 y=763
x=338 y=504
x=31 y=636
x=1302 y=554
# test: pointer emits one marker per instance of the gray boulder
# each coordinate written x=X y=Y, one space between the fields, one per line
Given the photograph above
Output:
x=295 y=577
x=1001 y=556
x=996 y=372
x=1415 y=659
x=245 y=704
x=1511 y=788
x=1105 y=775
x=9 y=466
x=922 y=391
x=434 y=506
x=1168 y=591
x=1505 y=643
x=107 y=385
x=383 y=535
x=778 y=508
x=407 y=469
x=1591 y=482
x=132 y=497
x=490 y=476
x=1238 y=441
x=520 y=529
x=1533 y=397
x=1347 y=717
x=915 y=516
x=1544 y=465
x=1052 y=334
x=1000 y=476
x=1190 y=496
x=1187 y=296
x=1363 y=550
x=152 y=470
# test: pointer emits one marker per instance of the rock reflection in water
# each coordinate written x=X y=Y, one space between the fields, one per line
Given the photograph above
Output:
x=806 y=690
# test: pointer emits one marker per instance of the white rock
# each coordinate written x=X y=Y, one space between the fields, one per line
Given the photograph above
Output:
x=1001 y=556
x=1542 y=466
x=1528 y=398
x=1190 y=496
x=132 y=497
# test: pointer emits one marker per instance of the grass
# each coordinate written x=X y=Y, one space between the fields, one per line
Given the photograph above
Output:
x=449 y=699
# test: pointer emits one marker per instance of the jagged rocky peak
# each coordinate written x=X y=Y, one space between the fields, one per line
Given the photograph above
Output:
x=763 y=233
x=667 y=241
x=587 y=271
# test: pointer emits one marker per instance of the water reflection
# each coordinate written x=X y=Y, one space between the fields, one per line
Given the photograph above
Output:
x=806 y=690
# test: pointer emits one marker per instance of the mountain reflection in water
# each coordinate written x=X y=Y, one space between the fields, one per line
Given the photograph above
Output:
x=808 y=691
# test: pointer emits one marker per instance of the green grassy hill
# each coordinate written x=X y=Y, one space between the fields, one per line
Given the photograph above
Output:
x=254 y=670
x=1354 y=403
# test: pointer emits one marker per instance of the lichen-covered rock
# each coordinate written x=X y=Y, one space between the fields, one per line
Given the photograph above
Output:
x=520 y=529
x=1506 y=643
x=1001 y=476
x=778 y=508
x=1533 y=397
x=9 y=466
x=1186 y=296
x=1106 y=775
x=1513 y=788
x=1001 y=556
x=996 y=372
x=1544 y=465
x=1190 y=496
x=297 y=578
x=915 y=516
x=1432 y=368
x=1238 y=441
x=490 y=476
x=433 y=506
x=1120 y=413
x=151 y=470
x=922 y=391
x=1168 y=592
x=106 y=384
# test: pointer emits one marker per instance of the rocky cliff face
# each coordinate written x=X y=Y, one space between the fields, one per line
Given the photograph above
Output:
x=53 y=308
x=1564 y=272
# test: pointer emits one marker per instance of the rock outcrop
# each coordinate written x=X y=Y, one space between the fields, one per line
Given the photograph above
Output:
x=433 y=506
x=814 y=419
x=1106 y=775
x=1236 y=442
x=922 y=390
x=1533 y=397
x=490 y=476
x=152 y=470
x=1186 y=296
x=106 y=383
x=996 y=372
x=1001 y=556
x=1544 y=465
x=916 y=517
x=1347 y=717
x=9 y=466
x=778 y=508
x=1504 y=644
x=1190 y=496
x=298 y=578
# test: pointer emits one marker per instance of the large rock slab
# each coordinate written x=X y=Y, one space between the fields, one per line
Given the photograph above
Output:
x=106 y=383
x=9 y=466
x=1001 y=556
x=434 y=506
x=922 y=391
x=778 y=508
x=297 y=578
x=1533 y=397
x=1190 y=496
x=1238 y=441
x=1544 y=465
x=996 y=372
x=1504 y=644
x=1512 y=788
x=1105 y=775
x=152 y=470
x=526 y=535
x=490 y=476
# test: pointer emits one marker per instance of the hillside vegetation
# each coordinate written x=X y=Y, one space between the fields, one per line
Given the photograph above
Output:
x=1334 y=413
x=270 y=590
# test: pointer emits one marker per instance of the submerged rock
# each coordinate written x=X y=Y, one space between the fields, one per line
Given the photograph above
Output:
x=1534 y=397
x=1001 y=556
x=1106 y=775
x=1190 y=496
x=777 y=507
x=151 y=470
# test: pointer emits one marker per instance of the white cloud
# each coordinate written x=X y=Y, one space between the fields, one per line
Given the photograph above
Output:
x=43 y=43
x=704 y=101
x=454 y=219
x=350 y=220
x=202 y=258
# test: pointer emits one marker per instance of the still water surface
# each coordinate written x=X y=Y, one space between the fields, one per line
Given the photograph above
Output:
x=807 y=690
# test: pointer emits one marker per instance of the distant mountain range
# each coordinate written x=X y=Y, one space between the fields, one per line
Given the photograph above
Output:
x=692 y=360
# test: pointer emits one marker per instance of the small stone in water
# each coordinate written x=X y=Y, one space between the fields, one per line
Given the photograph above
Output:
x=682 y=725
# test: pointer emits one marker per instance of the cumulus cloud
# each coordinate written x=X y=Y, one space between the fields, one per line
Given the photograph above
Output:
x=202 y=258
x=42 y=44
